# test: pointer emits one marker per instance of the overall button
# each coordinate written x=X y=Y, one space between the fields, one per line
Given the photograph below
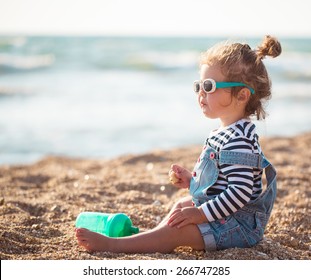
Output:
x=212 y=155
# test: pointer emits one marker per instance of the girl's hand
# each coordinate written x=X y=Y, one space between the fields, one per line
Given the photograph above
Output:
x=186 y=216
x=179 y=176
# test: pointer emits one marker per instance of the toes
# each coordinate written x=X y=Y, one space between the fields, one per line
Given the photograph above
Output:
x=81 y=231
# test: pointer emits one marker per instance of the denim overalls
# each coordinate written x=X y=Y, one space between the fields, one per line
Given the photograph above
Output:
x=245 y=227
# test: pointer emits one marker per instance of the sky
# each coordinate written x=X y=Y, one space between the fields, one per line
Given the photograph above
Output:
x=290 y=18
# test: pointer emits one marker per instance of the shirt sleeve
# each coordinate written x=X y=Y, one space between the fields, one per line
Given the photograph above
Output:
x=240 y=180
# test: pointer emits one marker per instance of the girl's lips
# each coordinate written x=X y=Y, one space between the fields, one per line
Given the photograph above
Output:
x=202 y=104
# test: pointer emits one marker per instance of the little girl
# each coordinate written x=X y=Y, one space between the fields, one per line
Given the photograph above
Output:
x=227 y=206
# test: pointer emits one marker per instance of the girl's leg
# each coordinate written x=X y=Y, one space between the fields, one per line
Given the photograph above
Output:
x=163 y=239
x=183 y=202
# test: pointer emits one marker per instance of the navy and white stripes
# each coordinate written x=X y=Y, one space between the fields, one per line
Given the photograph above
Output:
x=236 y=184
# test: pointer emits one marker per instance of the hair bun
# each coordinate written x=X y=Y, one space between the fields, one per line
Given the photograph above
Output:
x=270 y=46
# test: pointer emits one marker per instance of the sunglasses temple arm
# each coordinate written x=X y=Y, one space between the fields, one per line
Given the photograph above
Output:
x=227 y=84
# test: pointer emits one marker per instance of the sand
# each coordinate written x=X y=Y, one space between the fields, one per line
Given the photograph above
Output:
x=40 y=202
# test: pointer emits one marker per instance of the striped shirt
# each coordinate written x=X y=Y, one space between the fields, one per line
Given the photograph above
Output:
x=236 y=184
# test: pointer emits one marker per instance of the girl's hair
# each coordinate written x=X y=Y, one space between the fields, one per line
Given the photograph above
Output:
x=239 y=63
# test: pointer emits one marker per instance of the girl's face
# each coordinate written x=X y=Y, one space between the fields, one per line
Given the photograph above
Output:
x=219 y=104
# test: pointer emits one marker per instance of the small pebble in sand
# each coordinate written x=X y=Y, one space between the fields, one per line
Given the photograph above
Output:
x=149 y=166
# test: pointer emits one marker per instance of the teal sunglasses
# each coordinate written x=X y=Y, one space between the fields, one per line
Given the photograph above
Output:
x=209 y=86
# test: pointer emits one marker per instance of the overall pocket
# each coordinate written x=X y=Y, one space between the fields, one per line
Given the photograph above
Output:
x=205 y=175
x=230 y=234
x=208 y=175
x=253 y=224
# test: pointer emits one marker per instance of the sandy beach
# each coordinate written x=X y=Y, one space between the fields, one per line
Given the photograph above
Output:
x=40 y=202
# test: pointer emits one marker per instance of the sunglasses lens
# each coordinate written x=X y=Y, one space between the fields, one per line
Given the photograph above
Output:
x=196 y=87
x=207 y=86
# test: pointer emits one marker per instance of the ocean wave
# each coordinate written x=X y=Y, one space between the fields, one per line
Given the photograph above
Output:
x=294 y=66
x=21 y=63
x=148 y=61
x=12 y=42
x=8 y=91
x=161 y=60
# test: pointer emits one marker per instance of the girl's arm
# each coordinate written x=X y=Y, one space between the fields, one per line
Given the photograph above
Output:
x=240 y=182
x=238 y=193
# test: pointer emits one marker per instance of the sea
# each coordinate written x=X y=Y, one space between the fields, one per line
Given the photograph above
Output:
x=101 y=97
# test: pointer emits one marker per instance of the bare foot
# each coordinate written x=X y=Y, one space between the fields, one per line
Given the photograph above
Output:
x=91 y=241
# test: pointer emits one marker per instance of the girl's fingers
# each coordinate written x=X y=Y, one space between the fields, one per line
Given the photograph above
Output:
x=185 y=222
x=174 y=222
x=176 y=218
x=173 y=217
x=176 y=168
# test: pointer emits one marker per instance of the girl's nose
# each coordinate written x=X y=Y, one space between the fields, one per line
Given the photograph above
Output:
x=202 y=93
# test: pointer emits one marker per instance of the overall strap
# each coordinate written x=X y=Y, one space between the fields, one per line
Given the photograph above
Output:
x=252 y=160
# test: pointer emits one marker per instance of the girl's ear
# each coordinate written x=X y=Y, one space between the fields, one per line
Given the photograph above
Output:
x=244 y=95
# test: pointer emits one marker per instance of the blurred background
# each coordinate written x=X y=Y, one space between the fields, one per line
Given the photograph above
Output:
x=98 y=79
